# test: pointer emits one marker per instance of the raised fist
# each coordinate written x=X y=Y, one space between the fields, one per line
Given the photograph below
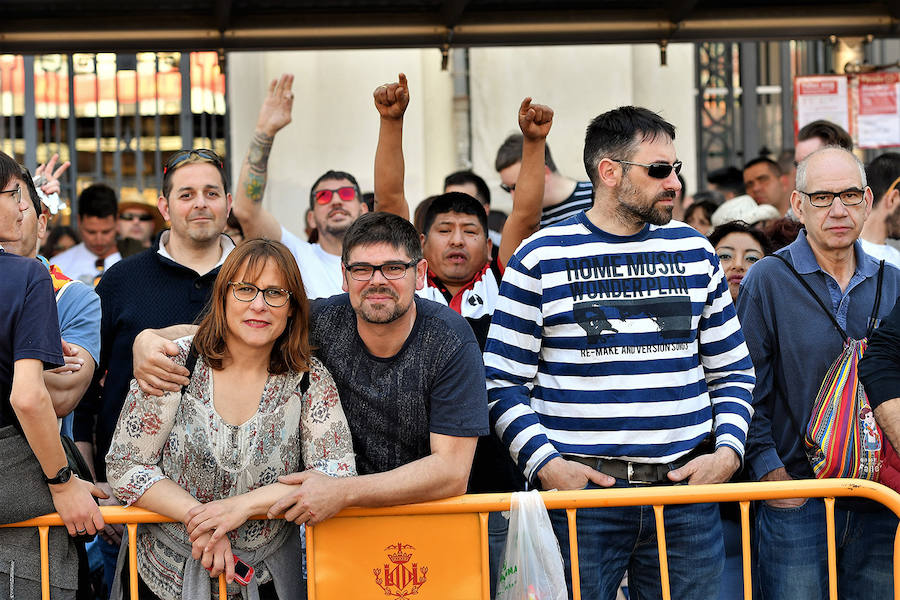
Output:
x=391 y=99
x=535 y=120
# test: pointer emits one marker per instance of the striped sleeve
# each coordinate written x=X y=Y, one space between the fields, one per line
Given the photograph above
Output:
x=511 y=363
x=726 y=362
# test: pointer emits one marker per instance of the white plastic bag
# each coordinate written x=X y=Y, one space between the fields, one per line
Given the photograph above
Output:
x=532 y=567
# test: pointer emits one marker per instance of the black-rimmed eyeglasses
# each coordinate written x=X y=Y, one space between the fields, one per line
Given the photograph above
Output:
x=655 y=170
x=15 y=193
x=849 y=197
x=247 y=292
x=390 y=270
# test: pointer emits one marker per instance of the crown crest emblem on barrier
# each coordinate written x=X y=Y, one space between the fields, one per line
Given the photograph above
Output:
x=400 y=578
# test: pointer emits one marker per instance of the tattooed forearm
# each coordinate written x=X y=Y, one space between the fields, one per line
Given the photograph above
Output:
x=257 y=163
x=258 y=158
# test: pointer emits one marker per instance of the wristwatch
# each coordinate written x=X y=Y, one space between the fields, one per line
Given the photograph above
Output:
x=62 y=476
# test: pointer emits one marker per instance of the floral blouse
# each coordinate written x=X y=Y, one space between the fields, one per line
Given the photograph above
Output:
x=182 y=437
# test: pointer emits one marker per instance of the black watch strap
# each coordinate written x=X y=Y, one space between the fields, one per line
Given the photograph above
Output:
x=62 y=476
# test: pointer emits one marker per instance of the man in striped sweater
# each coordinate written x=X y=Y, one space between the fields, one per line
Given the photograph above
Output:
x=615 y=358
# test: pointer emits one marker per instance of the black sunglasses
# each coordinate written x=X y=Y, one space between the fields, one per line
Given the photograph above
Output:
x=182 y=156
x=655 y=170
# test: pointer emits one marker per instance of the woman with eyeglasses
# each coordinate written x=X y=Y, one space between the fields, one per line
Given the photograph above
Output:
x=258 y=406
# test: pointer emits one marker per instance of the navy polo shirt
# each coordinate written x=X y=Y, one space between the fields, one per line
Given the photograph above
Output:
x=793 y=343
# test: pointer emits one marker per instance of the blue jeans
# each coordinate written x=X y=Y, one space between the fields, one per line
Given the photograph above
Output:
x=498 y=529
x=793 y=554
x=614 y=540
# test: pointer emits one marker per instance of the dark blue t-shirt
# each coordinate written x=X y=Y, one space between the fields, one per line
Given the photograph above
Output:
x=28 y=322
x=434 y=384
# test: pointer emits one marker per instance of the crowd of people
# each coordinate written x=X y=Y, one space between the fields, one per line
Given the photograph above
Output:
x=212 y=365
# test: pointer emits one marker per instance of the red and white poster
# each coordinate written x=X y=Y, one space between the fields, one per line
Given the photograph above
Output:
x=878 y=116
x=822 y=97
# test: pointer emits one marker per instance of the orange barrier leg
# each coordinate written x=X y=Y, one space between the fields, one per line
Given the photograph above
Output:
x=132 y=560
x=832 y=552
x=897 y=564
x=663 y=556
x=485 y=557
x=745 y=549
x=223 y=586
x=44 y=533
x=573 y=555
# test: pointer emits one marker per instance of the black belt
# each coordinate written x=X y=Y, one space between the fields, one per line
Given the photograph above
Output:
x=636 y=472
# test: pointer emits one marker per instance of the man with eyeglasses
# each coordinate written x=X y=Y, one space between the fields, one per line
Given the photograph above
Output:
x=615 y=358
x=335 y=200
x=29 y=344
x=167 y=284
x=793 y=342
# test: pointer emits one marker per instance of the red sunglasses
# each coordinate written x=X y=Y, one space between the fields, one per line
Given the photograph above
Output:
x=345 y=193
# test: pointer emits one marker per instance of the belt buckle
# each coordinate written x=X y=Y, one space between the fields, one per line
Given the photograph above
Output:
x=631 y=478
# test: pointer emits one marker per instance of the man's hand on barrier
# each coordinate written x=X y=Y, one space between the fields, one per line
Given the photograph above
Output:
x=217 y=518
x=391 y=99
x=74 y=501
x=717 y=467
x=318 y=497
x=154 y=371
x=781 y=474
x=218 y=560
x=562 y=474
x=535 y=120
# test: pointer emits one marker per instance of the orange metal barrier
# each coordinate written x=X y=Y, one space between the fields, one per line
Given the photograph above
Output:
x=441 y=547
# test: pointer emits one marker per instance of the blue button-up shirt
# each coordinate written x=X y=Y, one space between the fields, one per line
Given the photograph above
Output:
x=793 y=343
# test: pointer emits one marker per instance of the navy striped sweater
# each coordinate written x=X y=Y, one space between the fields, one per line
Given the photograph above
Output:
x=610 y=346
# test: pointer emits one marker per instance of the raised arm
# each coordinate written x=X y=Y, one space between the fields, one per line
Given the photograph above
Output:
x=391 y=101
x=274 y=115
x=535 y=121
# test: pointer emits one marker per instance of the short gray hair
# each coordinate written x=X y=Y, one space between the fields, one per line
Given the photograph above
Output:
x=800 y=181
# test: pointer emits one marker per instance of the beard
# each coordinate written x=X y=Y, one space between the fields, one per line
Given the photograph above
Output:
x=383 y=313
x=634 y=208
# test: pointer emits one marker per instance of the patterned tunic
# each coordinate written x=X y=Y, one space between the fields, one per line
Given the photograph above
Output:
x=182 y=437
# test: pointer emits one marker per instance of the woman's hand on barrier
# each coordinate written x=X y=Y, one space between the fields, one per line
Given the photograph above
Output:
x=219 y=559
x=74 y=501
x=216 y=518
x=781 y=474
x=562 y=474
x=154 y=371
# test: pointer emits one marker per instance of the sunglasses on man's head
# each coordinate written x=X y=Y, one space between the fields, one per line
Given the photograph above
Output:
x=136 y=216
x=345 y=193
x=182 y=156
x=655 y=170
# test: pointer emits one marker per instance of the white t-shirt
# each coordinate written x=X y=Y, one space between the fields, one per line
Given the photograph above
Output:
x=884 y=252
x=321 y=271
x=80 y=263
